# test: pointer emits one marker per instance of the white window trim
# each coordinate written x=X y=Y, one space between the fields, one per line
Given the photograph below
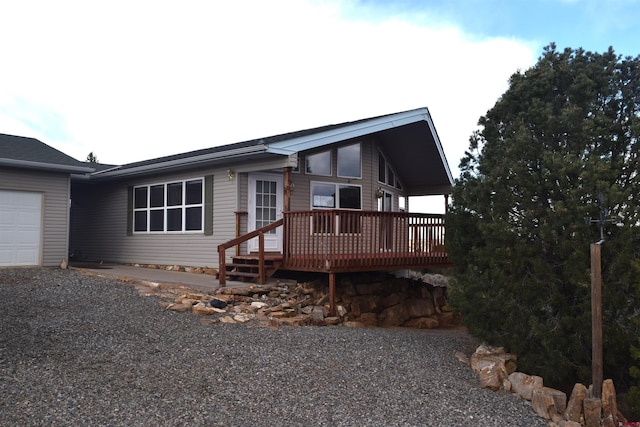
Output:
x=164 y=208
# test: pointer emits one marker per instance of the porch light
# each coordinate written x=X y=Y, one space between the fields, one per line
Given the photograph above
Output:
x=379 y=193
x=231 y=174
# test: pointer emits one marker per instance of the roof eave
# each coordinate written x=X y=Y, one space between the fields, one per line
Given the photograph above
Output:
x=26 y=164
x=118 y=172
x=354 y=130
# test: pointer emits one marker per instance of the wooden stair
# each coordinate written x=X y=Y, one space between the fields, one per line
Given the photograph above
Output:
x=245 y=268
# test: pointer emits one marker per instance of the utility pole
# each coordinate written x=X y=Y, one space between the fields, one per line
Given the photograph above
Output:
x=596 y=300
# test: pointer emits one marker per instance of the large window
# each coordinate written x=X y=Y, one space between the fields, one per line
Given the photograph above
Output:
x=169 y=207
x=326 y=195
x=349 y=163
x=319 y=163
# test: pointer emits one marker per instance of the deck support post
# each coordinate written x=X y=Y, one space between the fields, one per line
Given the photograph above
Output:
x=332 y=294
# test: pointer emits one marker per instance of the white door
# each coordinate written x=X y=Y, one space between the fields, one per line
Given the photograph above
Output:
x=265 y=207
x=20 y=228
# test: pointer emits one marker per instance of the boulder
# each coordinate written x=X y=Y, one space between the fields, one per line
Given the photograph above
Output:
x=493 y=375
x=574 y=407
x=548 y=402
x=420 y=307
x=523 y=384
x=395 y=315
x=609 y=404
x=422 y=323
x=364 y=304
x=592 y=411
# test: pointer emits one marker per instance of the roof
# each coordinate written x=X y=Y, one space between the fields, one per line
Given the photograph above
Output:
x=408 y=139
x=30 y=153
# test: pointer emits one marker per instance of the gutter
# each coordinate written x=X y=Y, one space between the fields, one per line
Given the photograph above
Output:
x=118 y=171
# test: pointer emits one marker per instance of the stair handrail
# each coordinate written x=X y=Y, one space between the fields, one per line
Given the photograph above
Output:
x=222 y=248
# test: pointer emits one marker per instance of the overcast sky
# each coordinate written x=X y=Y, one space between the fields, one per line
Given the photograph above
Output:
x=133 y=80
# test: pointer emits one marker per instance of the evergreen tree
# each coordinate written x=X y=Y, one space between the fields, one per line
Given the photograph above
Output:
x=565 y=131
x=91 y=158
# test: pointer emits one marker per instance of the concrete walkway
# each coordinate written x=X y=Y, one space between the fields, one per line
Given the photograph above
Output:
x=201 y=282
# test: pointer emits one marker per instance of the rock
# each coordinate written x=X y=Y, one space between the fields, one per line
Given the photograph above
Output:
x=492 y=376
x=375 y=288
x=317 y=315
x=547 y=402
x=64 y=264
x=217 y=303
x=609 y=404
x=422 y=323
x=180 y=308
x=353 y=324
x=299 y=320
x=219 y=310
x=368 y=319
x=420 y=307
x=462 y=357
x=364 y=304
x=574 y=407
x=241 y=318
x=259 y=304
x=592 y=411
x=569 y=424
x=227 y=319
x=200 y=308
x=523 y=384
x=484 y=356
x=392 y=299
x=341 y=310
x=395 y=315
x=187 y=301
x=332 y=320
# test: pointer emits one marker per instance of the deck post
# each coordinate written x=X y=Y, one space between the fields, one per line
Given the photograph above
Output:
x=261 y=258
x=332 y=294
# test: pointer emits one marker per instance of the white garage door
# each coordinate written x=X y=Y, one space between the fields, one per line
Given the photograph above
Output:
x=20 y=228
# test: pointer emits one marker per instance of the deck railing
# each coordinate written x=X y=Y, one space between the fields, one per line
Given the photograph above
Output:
x=344 y=240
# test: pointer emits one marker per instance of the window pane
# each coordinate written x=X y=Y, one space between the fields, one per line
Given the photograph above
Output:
x=140 y=221
x=174 y=194
x=323 y=195
x=156 y=220
x=174 y=219
x=349 y=161
x=319 y=164
x=391 y=177
x=350 y=197
x=157 y=196
x=194 y=219
x=194 y=192
x=382 y=168
x=140 y=197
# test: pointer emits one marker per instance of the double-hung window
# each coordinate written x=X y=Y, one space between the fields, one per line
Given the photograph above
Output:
x=173 y=207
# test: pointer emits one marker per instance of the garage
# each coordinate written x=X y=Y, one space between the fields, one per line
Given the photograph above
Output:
x=20 y=228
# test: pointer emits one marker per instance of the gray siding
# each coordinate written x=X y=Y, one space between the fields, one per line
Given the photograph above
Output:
x=55 y=188
x=99 y=229
x=300 y=198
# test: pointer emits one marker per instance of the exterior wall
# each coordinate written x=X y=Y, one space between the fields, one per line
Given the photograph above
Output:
x=99 y=228
x=301 y=199
x=55 y=221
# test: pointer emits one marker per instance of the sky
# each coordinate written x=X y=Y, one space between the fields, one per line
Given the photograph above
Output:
x=135 y=79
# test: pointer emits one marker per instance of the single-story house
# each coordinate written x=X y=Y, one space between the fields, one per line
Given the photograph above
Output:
x=35 y=185
x=332 y=199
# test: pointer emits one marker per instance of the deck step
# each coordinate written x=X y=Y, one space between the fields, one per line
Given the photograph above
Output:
x=246 y=267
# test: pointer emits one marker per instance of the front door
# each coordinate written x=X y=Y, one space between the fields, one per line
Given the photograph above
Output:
x=265 y=207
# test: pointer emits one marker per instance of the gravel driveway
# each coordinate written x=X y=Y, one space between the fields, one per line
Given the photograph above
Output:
x=85 y=350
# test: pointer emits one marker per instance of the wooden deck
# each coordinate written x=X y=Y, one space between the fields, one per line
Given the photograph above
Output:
x=336 y=241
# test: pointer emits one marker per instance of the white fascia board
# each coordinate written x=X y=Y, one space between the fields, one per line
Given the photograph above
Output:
x=349 y=131
x=436 y=138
